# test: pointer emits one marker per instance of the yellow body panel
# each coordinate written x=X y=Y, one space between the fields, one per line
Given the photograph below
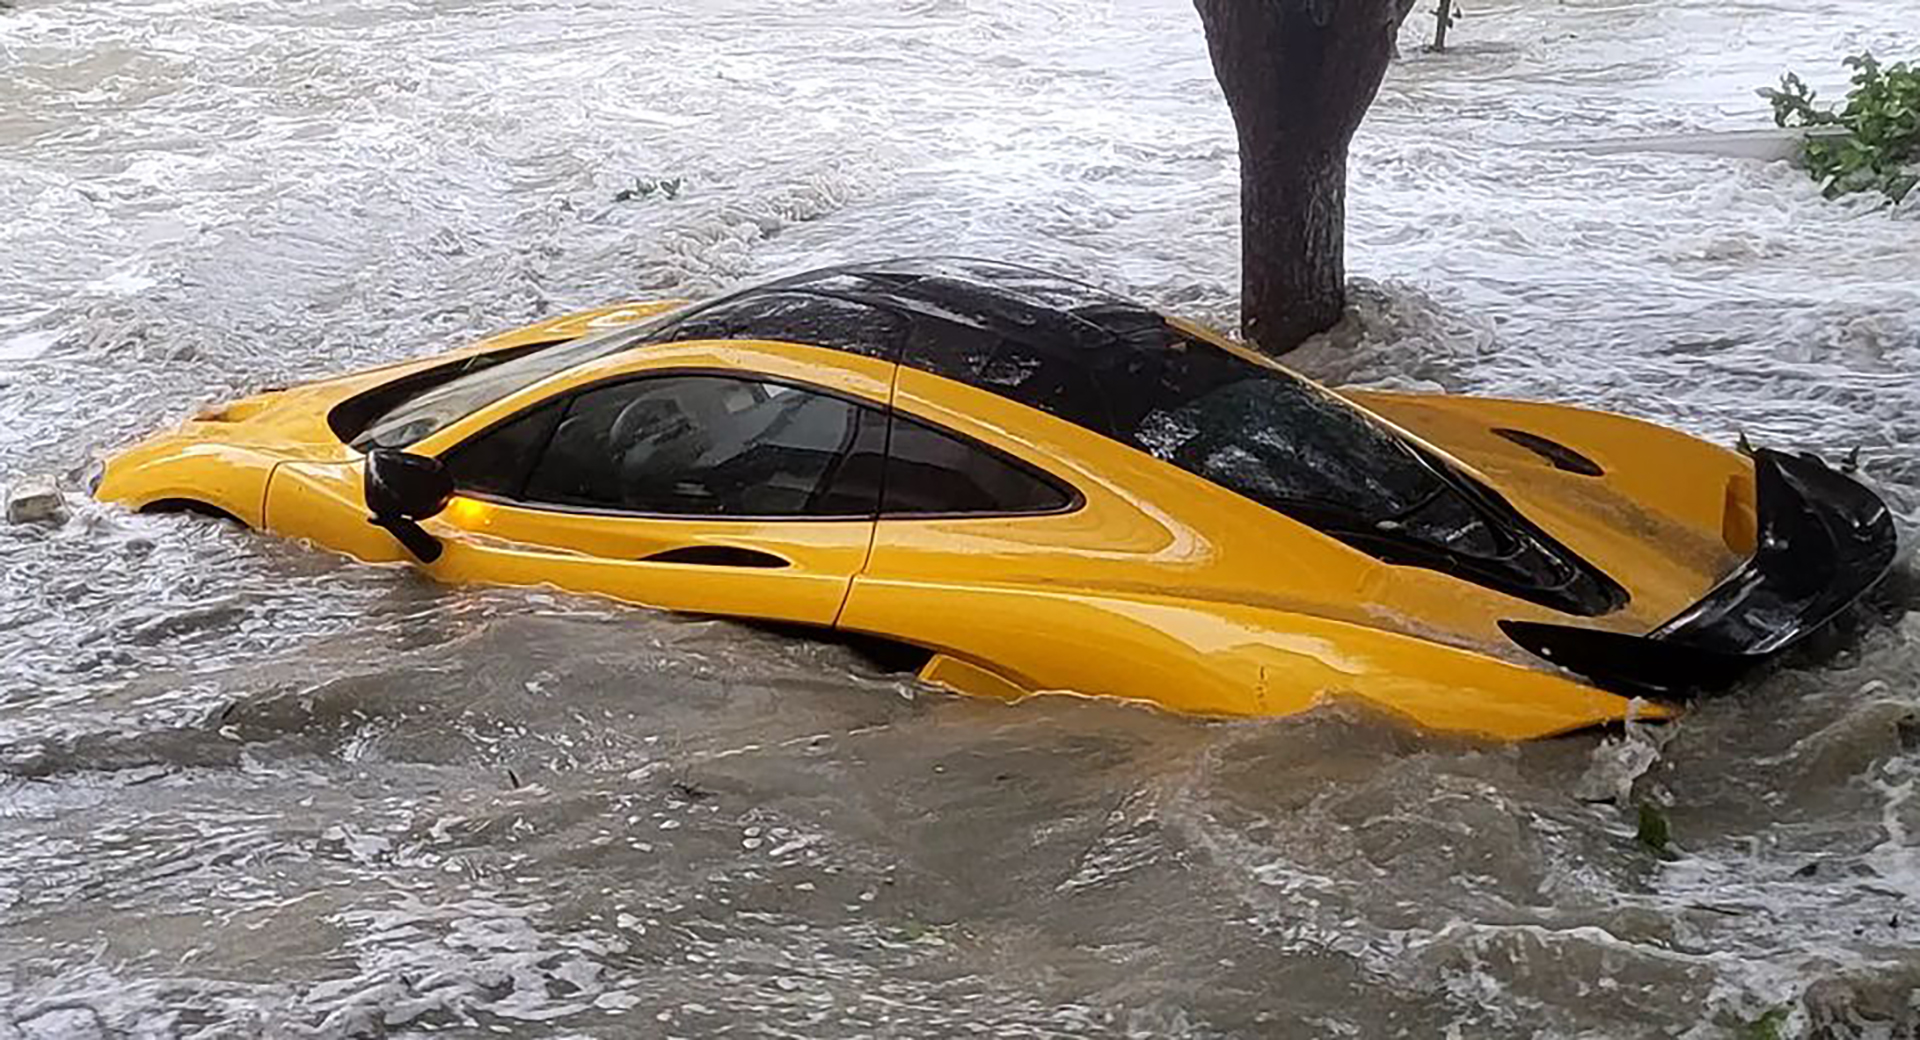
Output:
x=1215 y=608
x=1659 y=512
x=595 y=552
x=1160 y=587
x=496 y=544
x=1229 y=660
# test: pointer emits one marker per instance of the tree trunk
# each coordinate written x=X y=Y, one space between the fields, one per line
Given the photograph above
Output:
x=1442 y=21
x=1298 y=75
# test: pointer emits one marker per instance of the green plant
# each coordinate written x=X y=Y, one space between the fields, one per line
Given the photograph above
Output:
x=1770 y=1026
x=1875 y=145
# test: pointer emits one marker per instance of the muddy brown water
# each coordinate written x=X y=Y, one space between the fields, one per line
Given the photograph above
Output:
x=248 y=789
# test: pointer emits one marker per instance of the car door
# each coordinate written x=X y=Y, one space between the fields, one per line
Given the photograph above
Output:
x=704 y=491
x=965 y=533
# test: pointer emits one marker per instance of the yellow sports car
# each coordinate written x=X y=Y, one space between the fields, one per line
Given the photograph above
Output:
x=1037 y=487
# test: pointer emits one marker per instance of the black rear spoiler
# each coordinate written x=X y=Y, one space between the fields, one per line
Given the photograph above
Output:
x=1823 y=540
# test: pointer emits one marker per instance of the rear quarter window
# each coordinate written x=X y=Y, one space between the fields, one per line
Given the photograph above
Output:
x=931 y=473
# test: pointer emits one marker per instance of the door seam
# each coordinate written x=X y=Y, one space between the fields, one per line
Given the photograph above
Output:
x=873 y=530
x=266 y=494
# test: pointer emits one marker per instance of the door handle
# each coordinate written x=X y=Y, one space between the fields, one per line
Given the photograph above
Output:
x=717 y=556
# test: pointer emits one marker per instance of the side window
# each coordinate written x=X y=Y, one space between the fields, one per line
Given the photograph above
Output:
x=930 y=473
x=710 y=446
x=496 y=462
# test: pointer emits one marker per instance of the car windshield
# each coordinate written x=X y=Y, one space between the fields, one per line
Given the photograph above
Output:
x=430 y=411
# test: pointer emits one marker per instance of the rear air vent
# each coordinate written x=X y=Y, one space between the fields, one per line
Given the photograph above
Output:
x=1557 y=454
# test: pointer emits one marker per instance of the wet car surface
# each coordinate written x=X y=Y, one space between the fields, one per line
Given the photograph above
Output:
x=250 y=790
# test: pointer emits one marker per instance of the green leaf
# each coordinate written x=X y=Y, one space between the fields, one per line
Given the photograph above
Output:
x=1770 y=1026
x=1881 y=115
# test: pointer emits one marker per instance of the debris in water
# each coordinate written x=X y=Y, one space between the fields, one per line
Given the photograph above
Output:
x=36 y=500
x=648 y=187
x=690 y=791
x=1616 y=764
x=1656 y=832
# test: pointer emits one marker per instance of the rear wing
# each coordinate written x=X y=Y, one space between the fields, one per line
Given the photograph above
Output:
x=1823 y=541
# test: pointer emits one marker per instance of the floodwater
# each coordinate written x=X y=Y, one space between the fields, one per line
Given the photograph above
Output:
x=248 y=789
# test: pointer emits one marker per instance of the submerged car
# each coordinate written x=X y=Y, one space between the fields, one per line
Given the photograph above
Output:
x=1036 y=486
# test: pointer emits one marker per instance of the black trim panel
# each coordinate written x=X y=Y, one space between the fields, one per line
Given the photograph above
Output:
x=1824 y=539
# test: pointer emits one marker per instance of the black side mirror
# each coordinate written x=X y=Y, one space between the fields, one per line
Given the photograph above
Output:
x=403 y=489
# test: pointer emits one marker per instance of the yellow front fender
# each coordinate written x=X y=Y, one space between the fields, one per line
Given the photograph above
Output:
x=182 y=467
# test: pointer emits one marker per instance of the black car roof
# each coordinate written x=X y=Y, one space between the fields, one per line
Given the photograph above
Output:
x=992 y=294
x=1122 y=371
x=1063 y=346
x=1119 y=369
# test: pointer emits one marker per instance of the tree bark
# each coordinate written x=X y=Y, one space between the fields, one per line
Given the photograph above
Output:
x=1298 y=76
x=1442 y=21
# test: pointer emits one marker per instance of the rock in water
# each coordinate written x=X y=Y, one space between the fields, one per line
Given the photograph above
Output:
x=36 y=501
